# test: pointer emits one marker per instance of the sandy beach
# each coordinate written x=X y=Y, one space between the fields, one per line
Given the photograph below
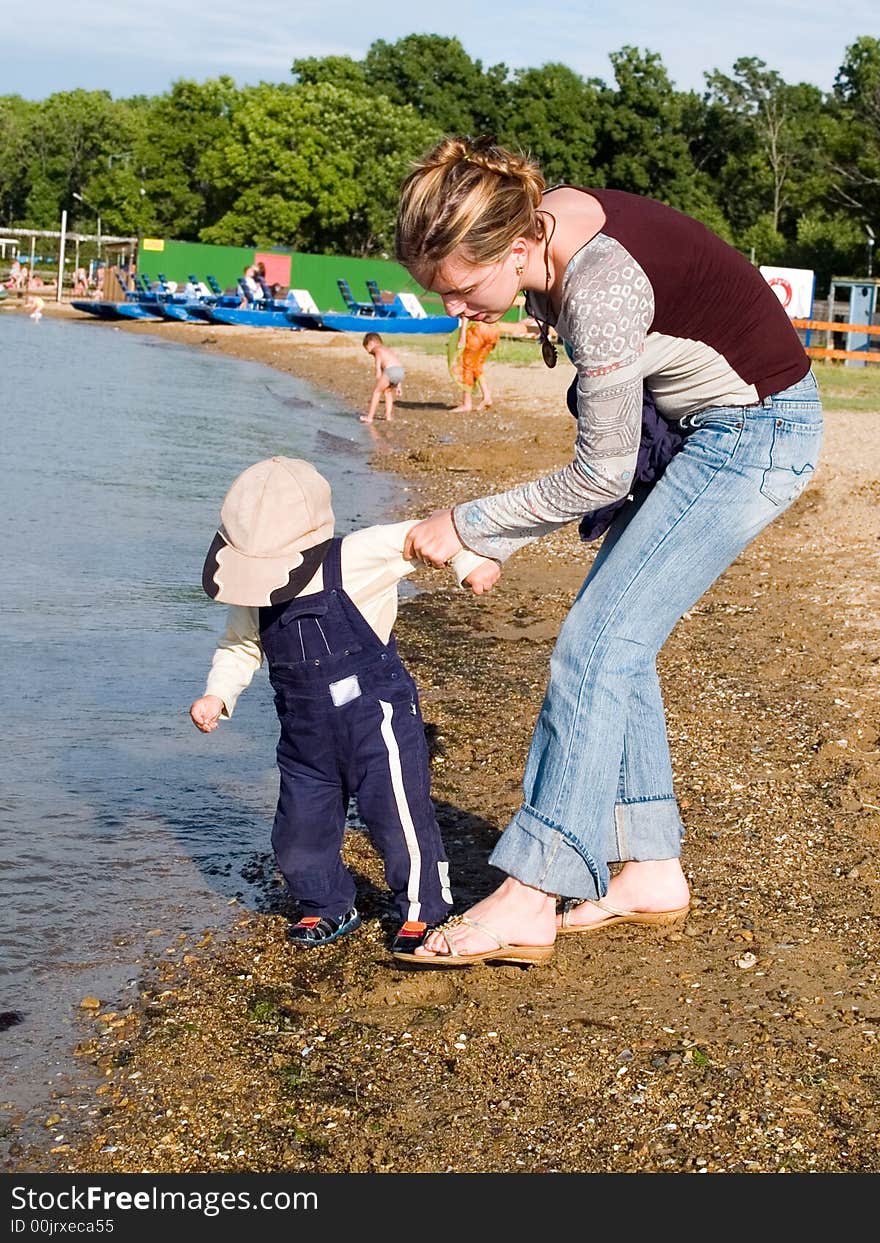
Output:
x=745 y=1041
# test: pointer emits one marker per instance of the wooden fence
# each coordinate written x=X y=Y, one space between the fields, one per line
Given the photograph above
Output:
x=830 y=328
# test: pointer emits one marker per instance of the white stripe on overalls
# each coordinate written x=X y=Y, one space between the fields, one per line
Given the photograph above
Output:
x=409 y=829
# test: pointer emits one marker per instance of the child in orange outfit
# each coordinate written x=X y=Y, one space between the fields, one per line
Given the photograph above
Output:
x=475 y=342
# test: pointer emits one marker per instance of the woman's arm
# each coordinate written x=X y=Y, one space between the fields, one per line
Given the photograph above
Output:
x=608 y=306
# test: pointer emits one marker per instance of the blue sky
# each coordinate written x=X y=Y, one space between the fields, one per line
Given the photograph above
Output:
x=140 y=46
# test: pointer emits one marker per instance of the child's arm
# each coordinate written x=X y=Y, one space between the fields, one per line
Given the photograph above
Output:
x=373 y=564
x=238 y=656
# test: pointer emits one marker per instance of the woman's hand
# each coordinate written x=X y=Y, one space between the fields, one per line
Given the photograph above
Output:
x=433 y=541
x=483 y=578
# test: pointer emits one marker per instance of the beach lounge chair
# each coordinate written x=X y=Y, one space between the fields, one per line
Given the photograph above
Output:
x=302 y=310
x=412 y=306
x=304 y=301
x=384 y=304
x=352 y=305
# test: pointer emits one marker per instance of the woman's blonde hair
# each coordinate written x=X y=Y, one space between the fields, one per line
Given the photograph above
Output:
x=467 y=194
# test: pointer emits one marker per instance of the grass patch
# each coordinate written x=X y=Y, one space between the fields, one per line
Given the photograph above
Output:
x=516 y=352
x=848 y=388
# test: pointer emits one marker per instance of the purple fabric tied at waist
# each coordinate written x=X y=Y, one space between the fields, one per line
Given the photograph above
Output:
x=659 y=444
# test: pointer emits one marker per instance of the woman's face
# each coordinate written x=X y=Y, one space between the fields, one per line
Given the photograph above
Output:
x=476 y=291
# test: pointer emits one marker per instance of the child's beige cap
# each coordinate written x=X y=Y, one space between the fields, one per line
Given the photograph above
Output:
x=276 y=525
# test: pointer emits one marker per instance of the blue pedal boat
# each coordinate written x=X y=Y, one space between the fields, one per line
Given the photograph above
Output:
x=193 y=307
x=402 y=314
x=388 y=323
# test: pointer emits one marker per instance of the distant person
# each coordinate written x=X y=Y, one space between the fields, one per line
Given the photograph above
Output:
x=266 y=290
x=475 y=341
x=389 y=377
x=14 y=279
x=251 y=290
x=321 y=610
x=80 y=283
x=35 y=305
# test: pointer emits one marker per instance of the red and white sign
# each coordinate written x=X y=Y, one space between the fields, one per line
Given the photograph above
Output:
x=794 y=289
x=277 y=267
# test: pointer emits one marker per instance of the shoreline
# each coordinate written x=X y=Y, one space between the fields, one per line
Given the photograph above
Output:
x=743 y=1043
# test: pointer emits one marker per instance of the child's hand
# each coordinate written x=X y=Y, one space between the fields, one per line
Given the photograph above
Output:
x=398 y=390
x=205 y=713
x=483 y=578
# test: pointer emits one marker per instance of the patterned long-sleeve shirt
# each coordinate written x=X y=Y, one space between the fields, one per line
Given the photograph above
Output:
x=654 y=298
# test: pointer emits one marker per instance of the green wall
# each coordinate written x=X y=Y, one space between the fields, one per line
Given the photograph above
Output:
x=177 y=259
x=317 y=273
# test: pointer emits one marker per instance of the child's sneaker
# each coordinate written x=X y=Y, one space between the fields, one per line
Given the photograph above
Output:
x=409 y=937
x=313 y=931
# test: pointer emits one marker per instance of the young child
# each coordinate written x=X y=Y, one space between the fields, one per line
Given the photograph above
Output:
x=321 y=610
x=389 y=377
x=35 y=306
x=474 y=342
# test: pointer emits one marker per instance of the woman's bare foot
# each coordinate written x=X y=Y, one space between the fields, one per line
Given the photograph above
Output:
x=365 y=418
x=460 y=409
x=651 y=886
x=516 y=913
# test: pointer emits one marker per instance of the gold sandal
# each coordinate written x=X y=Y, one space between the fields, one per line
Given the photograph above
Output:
x=520 y=955
x=616 y=916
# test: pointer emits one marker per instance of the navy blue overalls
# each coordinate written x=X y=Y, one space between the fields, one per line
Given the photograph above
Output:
x=350 y=724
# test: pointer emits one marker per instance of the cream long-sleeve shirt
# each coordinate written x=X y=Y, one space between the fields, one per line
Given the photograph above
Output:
x=372 y=566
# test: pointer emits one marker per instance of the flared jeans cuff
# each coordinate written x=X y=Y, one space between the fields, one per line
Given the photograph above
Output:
x=550 y=857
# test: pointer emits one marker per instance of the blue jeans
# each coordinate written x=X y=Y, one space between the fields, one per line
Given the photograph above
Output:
x=598 y=781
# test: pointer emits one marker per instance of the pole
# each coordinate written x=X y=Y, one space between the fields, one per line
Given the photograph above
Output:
x=99 y=236
x=61 y=255
x=31 y=264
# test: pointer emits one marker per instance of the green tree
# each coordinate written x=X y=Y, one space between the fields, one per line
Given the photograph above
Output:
x=339 y=71
x=71 y=136
x=551 y=114
x=853 y=147
x=181 y=130
x=314 y=167
x=643 y=142
x=443 y=84
x=16 y=119
x=771 y=141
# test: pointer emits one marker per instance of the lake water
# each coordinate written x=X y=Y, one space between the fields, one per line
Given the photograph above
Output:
x=117 y=818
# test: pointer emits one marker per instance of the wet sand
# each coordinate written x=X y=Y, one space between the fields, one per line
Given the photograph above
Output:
x=745 y=1041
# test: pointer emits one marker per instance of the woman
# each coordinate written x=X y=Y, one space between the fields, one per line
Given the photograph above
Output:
x=636 y=291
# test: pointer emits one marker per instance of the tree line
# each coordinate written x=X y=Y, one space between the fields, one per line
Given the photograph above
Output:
x=786 y=172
